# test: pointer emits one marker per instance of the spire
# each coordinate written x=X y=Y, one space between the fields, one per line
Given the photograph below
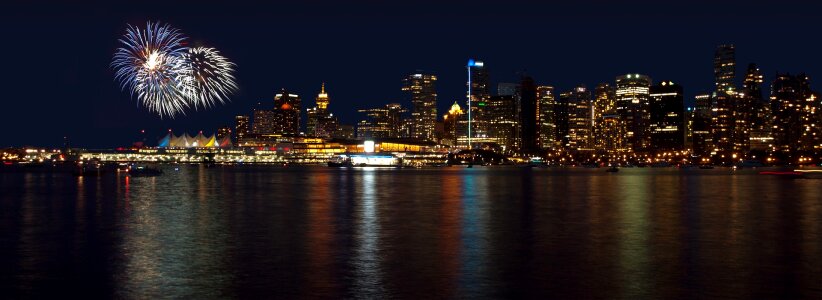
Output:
x=323 y=88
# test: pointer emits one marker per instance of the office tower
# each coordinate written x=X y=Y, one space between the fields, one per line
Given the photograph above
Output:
x=547 y=128
x=604 y=105
x=381 y=122
x=264 y=119
x=795 y=110
x=422 y=90
x=507 y=89
x=724 y=122
x=528 y=115
x=477 y=101
x=321 y=122
x=287 y=113
x=562 y=109
x=223 y=132
x=580 y=113
x=451 y=124
x=503 y=121
x=702 y=137
x=758 y=120
x=667 y=126
x=241 y=128
x=612 y=135
x=633 y=108
x=345 y=131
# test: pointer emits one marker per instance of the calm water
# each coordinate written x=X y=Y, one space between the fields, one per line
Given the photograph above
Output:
x=412 y=233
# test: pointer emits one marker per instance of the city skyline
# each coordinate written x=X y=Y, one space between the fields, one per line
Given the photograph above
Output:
x=92 y=106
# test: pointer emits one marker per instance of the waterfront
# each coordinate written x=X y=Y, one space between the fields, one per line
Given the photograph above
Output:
x=321 y=232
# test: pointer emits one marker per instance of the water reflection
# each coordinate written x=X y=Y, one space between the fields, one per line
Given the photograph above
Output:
x=366 y=260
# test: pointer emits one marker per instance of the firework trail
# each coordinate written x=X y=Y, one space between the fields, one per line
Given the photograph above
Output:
x=211 y=79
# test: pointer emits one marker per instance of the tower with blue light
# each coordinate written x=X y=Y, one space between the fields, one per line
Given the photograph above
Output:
x=478 y=96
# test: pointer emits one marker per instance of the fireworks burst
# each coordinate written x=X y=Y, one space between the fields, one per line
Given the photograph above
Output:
x=166 y=76
x=211 y=78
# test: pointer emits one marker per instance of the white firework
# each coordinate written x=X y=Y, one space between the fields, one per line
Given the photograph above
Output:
x=151 y=65
x=211 y=80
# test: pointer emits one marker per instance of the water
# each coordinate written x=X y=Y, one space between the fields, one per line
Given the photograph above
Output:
x=317 y=232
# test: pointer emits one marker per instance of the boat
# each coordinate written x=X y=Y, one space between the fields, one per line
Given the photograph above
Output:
x=142 y=170
x=365 y=160
x=613 y=169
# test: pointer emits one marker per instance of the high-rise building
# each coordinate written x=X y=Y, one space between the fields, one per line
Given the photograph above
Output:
x=422 y=90
x=580 y=118
x=287 y=113
x=604 y=105
x=702 y=138
x=547 y=127
x=381 y=122
x=633 y=108
x=265 y=119
x=724 y=122
x=528 y=115
x=795 y=110
x=562 y=109
x=758 y=118
x=611 y=135
x=667 y=126
x=223 y=132
x=503 y=122
x=321 y=122
x=451 y=123
x=477 y=102
x=241 y=128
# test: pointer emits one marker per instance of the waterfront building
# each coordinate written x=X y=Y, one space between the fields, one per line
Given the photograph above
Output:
x=451 y=124
x=724 y=121
x=423 y=95
x=477 y=102
x=604 y=105
x=381 y=122
x=667 y=126
x=223 y=132
x=611 y=133
x=546 y=118
x=633 y=108
x=757 y=121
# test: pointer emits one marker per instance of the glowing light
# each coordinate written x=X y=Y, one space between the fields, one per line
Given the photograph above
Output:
x=368 y=146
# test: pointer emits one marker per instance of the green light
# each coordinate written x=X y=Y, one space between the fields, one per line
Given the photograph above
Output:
x=481 y=103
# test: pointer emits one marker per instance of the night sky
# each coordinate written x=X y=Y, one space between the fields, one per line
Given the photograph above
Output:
x=57 y=80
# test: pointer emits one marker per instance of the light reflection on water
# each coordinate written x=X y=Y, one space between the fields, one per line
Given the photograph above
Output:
x=450 y=232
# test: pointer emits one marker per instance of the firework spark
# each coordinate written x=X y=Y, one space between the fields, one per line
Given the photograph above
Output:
x=211 y=78
x=151 y=66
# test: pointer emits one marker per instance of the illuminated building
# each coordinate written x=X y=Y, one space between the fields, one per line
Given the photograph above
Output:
x=450 y=124
x=547 y=127
x=795 y=112
x=724 y=99
x=241 y=128
x=604 y=105
x=611 y=134
x=503 y=122
x=198 y=141
x=223 y=132
x=264 y=120
x=381 y=122
x=633 y=108
x=528 y=115
x=758 y=118
x=477 y=101
x=667 y=126
x=562 y=109
x=321 y=123
x=702 y=138
x=580 y=122
x=287 y=113
x=422 y=90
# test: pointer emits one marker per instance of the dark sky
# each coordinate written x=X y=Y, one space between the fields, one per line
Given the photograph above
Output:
x=57 y=81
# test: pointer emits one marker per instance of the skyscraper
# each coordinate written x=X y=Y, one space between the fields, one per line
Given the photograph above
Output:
x=381 y=122
x=702 y=138
x=321 y=123
x=580 y=118
x=450 y=124
x=758 y=119
x=795 y=114
x=503 y=121
x=477 y=101
x=241 y=128
x=287 y=113
x=422 y=90
x=633 y=108
x=528 y=115
x=547 y=128
x=604 y=105
x=667 y=126
x=723 y=119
